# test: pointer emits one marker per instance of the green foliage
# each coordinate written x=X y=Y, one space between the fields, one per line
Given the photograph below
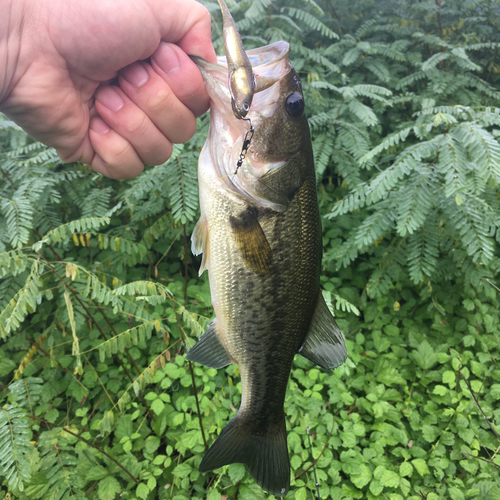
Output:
x=100 y=297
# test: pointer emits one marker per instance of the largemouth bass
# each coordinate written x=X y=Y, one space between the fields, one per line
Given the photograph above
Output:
x=260 y=235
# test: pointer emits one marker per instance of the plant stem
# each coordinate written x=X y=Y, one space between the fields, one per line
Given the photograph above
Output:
x=192 y=378
x=93 y=320
x=48 y=424
x=322 y=451
x=438 y=5
x=185 y=264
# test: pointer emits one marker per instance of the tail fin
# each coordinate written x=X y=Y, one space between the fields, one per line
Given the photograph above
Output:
x=264 y=453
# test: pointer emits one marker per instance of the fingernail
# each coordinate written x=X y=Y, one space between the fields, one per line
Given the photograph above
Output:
x=135 y=74
x=166 y=58
x=99 y=125
x=110 y=98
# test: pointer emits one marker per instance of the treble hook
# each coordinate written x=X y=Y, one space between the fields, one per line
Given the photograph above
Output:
x=246 y=145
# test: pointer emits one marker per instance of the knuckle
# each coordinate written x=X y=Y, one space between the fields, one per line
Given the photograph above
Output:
x=160 y=100
x=137 y=124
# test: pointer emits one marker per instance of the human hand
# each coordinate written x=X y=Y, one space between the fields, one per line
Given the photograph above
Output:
x=61 y=55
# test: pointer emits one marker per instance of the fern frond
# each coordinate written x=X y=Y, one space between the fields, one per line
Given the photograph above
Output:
x=423 y=252
x=472 y=226
x=311 y=21
x=314 y=55
x=143 y=288
x=453 y=164
x=363 y=112
x=58 y=477
x=13 y=262
x=415 y=201
x=389 y=271
x=191 y=319
x=379 y=69
x=23 y=303
x=323 y=147
x=96 y=203
x=18 y=212
x=66 y=231
x=157 y=230
x=15 y=433
x=340 y=303
x=257 y=8
x=124 y=340
x=183 y=188
x=390 y=141
x=374 y=227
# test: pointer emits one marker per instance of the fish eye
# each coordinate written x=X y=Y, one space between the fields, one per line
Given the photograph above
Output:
x=246 y=107
x=295 y=104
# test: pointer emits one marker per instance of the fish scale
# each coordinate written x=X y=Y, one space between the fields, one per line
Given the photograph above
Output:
x=260 y=236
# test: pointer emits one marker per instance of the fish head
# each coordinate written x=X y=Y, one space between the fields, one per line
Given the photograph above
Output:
x=241 y=92
x=279 y=156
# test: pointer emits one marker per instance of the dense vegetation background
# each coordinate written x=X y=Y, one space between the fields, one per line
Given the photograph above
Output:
x=100 y=296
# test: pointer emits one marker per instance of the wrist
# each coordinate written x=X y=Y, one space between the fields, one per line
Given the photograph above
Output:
x=12 y=29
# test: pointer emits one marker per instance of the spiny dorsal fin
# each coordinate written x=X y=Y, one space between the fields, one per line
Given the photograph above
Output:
x=251 y=241
x=324 y=344
x=209 y=350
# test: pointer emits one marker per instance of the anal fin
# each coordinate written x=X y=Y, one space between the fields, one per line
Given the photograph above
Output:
x=324 y=344
x=209 y=350
x=251 y=241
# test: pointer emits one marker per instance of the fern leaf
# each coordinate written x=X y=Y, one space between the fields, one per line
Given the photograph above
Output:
x=415 y=201
x=66 y=231
x=13 y=262
x=363 y=112
x=183 y=189
x=257 y=8
x=311 y=21
x=18 y=213
x=472 y=226
x=423 y=251
x=15 y=433
x=23 y=303
x=126 y=339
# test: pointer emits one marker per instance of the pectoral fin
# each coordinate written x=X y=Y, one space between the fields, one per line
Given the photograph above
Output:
x=324 y=344
x=209 y=350
x=199 y=244
x=251 y=241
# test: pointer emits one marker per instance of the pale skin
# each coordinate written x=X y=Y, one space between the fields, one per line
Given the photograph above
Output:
x=105 y=82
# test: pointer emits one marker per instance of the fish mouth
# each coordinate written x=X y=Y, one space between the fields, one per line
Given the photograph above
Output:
x=270 y=65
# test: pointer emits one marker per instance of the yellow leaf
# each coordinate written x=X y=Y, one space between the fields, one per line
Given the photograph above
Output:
x=75 y=240
x=82 y=240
